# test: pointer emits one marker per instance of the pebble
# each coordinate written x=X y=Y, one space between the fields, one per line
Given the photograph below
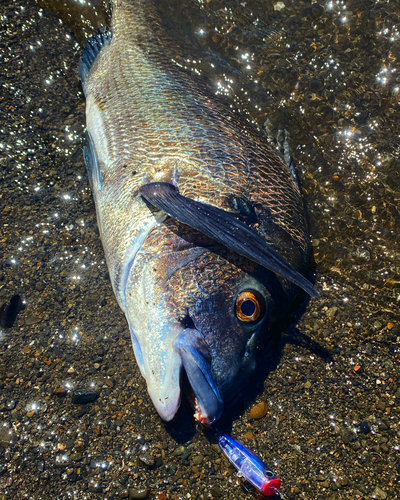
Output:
x=249 y=436
x=138 y=492
x=347 y=435
x=60 y=392
x=259 y=410
x=84 y=396
x=32 y=320
x=95 y=487
x=364 y=427
x=215 y=491
x=147 y=459
x=197 y=459
x=79 y=445
x=5 y=436
x=378 y=494
x=331 y=312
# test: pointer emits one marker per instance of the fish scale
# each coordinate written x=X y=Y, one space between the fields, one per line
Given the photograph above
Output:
x=152 y=123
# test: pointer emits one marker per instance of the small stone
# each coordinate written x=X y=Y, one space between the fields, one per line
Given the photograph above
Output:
x=259 y=410
x=364 y=428
x=79 y=445
x=96 y=366
x=215 y=491
x=331 y=312
x=179 y=451
x=60 y=392
x=138 y=492
x=378 y=494
x=249 y=436
x=343 y=481
x=109 y=383
x=95 y=487
x=5 y=436
x=197 y=459
x=84 y=396
x=147 y=459
x=76 y=457
x=324 y=484
x=32 y=320
x=307 y=385
x=347 y=435
x=124 y=494
x=30 y=414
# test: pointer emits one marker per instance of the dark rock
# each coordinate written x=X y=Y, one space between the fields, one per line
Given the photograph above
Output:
x=72 y=478
x=81 y=412
x=84 y=396
x=216 y=491
x=95 y=487
x=9 y=312
x=40 y=466
x=364 y=427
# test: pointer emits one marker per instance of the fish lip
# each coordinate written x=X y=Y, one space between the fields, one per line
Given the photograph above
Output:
x=196 y=360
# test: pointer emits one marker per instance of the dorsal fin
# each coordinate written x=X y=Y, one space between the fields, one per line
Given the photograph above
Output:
x=92 y=49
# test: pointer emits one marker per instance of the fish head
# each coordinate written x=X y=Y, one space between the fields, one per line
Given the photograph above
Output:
x=196 y=320
x=229 y=320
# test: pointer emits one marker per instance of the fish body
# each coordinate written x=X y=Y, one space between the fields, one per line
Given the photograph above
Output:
x=249 y=465
x=192 y=208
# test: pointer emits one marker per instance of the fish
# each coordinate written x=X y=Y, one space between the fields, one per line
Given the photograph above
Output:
x=249 y=465
x=202 y=223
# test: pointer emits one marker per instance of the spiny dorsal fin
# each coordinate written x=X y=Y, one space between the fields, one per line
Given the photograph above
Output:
x=92 y=49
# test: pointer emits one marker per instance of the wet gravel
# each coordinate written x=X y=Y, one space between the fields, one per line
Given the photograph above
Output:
x=323 y=408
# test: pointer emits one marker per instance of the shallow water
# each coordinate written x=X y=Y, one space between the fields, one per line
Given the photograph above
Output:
x=327 y=73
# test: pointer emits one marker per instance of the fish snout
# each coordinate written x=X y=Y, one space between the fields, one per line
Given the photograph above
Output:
x=196 y=360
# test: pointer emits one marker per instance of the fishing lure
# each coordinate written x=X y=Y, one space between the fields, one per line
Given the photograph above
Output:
x=249 y=465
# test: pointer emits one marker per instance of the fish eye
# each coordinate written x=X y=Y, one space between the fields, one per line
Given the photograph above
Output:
x=249 y=306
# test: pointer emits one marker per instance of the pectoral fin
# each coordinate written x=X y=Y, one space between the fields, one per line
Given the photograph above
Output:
x=224 y=228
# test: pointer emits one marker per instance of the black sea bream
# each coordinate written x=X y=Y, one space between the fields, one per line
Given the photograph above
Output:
x=203 y=225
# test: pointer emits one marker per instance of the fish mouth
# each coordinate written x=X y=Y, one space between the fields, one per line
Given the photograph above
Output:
x=186 y=368
x=201 y=391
